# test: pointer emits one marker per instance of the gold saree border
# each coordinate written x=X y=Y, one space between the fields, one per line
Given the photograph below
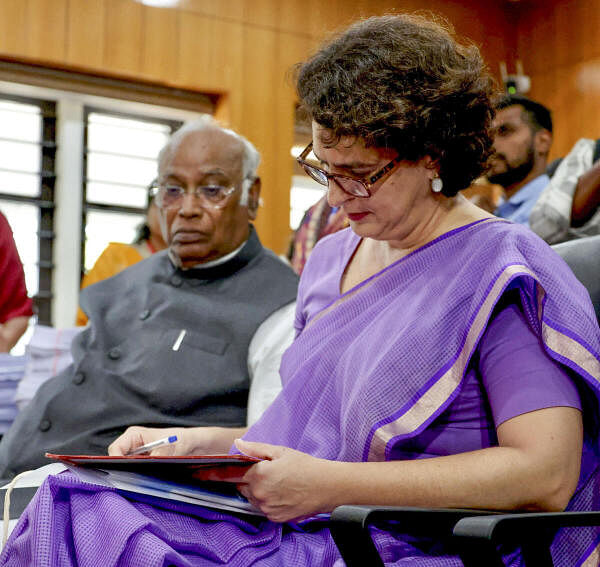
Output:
x=593 y=559
x=439 y=392
x=569 y=348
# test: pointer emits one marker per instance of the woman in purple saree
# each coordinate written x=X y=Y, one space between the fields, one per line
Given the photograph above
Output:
x=443 y=357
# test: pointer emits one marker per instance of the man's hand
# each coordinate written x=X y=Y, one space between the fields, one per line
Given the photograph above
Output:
x=288 y=485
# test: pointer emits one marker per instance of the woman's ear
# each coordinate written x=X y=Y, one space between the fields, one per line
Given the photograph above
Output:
x=432 y=165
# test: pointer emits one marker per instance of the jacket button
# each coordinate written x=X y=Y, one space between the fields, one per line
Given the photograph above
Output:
x=176 y=280
x=45 y=425
x=79 y=378
x=145 y=314
x=114 y=353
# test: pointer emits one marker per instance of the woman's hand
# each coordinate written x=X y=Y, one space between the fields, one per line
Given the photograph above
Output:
x=137 y=436
x=190 y=440
x=288 y=485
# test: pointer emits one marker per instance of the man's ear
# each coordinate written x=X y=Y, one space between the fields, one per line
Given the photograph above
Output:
x=543 y=141
x=164 y=226
x=254 y=198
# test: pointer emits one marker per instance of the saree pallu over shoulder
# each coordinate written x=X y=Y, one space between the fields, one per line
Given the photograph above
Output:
x=393 y=351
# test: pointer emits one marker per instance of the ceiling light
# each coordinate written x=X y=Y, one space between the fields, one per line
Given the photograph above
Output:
x=160 y=3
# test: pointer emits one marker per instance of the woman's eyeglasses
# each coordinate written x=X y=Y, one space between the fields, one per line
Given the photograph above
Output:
x=351 y=185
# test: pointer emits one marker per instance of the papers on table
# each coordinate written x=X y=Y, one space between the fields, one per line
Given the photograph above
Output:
x=48 y=353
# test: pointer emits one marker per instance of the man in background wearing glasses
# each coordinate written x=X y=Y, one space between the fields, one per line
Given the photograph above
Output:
x=178 y=339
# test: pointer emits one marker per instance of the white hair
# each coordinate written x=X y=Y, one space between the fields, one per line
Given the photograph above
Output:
x=250 y=155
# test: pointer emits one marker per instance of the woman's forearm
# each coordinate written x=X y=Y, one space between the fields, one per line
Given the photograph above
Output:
x=497 y=478
x=537 y=467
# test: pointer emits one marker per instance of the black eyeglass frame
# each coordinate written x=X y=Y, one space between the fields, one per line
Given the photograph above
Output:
x=367 y=183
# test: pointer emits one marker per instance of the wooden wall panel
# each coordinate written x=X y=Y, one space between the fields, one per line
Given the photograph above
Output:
x=573 y=95
x=13 y=27
x=283 y=111
x=123 y=37
x=560 y=49
x=262 y=13
x=295 y=17
x=258 y=122
x=238 y=49
x=589 y=31
x=85 y=34
x=586 y=80
x=46 y=23
x=327 y=17
x=230 y=10
x=160 y=43
x=34 y=29
x=484 y=24
x=210 y=53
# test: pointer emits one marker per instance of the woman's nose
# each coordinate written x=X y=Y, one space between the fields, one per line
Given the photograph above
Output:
x=336 y=196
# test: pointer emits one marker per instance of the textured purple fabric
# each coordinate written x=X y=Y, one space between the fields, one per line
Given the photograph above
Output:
x=353 y=372
x=518 y=376
x=356 y=367
x=510 y=374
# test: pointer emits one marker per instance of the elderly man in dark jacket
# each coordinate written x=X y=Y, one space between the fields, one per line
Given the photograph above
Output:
x=179 y=338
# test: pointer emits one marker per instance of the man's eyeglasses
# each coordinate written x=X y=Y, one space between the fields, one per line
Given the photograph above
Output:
x=351 y=185
x=170 y=195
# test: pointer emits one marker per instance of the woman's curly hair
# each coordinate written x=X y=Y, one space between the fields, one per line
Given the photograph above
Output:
x=405 y=82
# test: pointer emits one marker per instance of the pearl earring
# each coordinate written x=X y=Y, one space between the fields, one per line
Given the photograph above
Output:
x=437 y=184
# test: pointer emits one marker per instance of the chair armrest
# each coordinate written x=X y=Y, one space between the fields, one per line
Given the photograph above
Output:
x=19 y=499
x=478 y=537
x=349 y=526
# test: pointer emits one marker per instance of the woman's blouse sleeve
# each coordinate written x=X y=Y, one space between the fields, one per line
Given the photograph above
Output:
x=517 y=373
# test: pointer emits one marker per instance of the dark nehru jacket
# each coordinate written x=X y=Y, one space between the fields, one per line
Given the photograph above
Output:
x=165 y=347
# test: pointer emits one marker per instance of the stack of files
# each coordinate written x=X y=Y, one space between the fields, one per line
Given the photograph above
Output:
x=12 y=369
x=203 y=480
x=48 y=353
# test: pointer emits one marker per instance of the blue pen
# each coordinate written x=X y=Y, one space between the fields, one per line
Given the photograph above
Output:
x=149 y=446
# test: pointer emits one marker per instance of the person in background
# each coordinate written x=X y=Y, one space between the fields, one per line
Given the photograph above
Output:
x=117 y=255
x=191 y=335
x=484 y=194
x=318 y=221
x=569 y=207
x=443 y=357
x=522 y=141
x=15 y=306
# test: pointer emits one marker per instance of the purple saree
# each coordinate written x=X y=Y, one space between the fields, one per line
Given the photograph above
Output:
x=368 y=373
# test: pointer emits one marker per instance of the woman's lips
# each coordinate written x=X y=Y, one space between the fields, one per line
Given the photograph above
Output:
x=356 y=216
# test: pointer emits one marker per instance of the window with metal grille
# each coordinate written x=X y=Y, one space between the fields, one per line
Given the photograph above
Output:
x=27 y=180
x=120 y=159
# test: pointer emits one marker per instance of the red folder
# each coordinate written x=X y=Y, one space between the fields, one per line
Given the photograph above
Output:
x=224 y=468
